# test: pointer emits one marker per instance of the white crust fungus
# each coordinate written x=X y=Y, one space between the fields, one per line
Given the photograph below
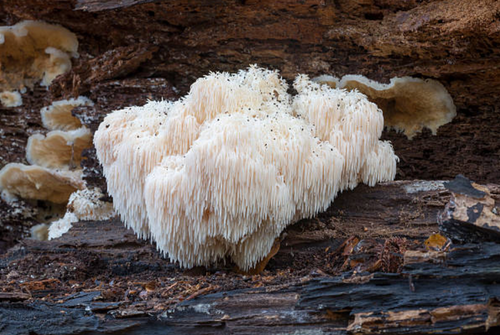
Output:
x=11 y=99
x=38 y=183
x=61 y=226
x=58 y=149
x=224 y=170
x=58 y=115
x=33 y=51
x=409 y=104
x=83 y=205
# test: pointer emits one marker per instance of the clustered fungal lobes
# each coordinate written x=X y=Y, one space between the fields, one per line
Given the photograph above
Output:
x=205 y=183
x=32 y=52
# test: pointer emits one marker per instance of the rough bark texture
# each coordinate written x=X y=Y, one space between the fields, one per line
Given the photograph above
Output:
x=456 y=42
x=360 y=267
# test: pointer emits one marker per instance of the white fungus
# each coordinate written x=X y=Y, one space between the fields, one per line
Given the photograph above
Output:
x=83 y=205
x=61 y=226
x=224 y=170
x=34 y=51
x=86 y=205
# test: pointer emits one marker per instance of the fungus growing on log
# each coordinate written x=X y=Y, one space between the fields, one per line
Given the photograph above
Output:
x=58 y=115
x=224 y=170
x=33 y=51
x=409 y=104
x=11 y=99
x=331 y=81
x=58 y=149
x=38 y=183
x=83 y=205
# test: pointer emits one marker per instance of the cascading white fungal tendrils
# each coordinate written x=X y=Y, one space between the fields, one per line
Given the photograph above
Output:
x=224 y=170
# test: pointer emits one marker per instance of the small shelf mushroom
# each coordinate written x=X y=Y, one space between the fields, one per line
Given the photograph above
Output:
x=409 y=104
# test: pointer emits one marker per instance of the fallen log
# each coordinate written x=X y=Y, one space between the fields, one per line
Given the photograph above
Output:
x=360 y=267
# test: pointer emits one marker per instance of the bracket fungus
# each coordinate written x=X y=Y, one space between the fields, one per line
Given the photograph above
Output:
x=58 y=115
x=11 y=99
x=58 y=149
x=222 y=171
x=54 y=175
x=409 y=104
x=33 y=51
x=38 y=183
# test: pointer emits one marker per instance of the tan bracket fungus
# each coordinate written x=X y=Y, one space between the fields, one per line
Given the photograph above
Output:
x=38 y=183
x=32 y=52
x=11 y=99
x=409 y=104
x=55 y=174
x=222 y=171
x=58 y=115
x=58 y=149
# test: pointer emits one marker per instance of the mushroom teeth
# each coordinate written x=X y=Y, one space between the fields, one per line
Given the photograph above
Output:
x=223 y=171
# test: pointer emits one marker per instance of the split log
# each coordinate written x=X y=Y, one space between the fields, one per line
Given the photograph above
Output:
x=360 y=267
x=452 y=41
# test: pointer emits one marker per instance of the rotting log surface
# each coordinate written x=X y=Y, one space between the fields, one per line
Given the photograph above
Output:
x=355 y=268
x=456 y=42
x=359 y=267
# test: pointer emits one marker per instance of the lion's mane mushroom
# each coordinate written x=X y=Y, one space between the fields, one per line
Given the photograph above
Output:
x=33 y=51
x=224 y=170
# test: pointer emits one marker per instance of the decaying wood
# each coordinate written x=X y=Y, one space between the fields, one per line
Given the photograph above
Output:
x=453 y=41
x=360 y=267
x=353 y=269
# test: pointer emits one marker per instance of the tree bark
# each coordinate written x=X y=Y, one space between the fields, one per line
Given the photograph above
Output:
x=354 y=269
x=366 y=265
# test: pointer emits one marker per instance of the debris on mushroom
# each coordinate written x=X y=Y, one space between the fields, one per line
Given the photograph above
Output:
x=11 y=99
x=58 y=115
x=58 y=149
x=38 y=183
x=409 y=104
x=34 y=51
x=224 y=170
